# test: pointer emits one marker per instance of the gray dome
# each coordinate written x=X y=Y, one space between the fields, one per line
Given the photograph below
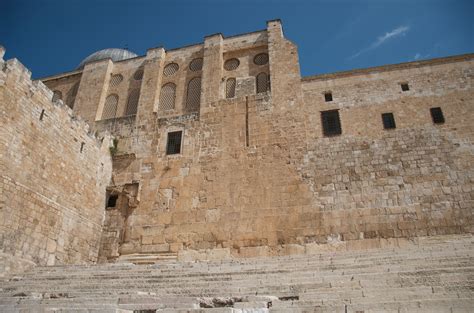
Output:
x=113 y=53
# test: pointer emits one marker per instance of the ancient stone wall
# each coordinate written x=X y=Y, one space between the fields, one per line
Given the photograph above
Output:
x=54 y=175
x=256 y=175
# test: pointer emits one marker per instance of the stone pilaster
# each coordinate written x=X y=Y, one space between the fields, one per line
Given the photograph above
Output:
x=285 y=74
x=92 y=91
x=212 y=71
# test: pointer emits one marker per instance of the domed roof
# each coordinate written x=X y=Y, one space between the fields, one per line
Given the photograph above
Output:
x=113 y=53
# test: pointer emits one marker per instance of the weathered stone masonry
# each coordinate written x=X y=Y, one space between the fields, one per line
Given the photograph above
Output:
x=53 y=175
x=255 y=174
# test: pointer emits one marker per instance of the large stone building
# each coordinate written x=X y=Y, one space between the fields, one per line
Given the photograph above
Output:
x=221 y=150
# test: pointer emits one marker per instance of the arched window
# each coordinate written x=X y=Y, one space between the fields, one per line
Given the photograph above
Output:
x=71 y=95
x=110 y=107
x=132 y=103
x=263 y=82
x=57 y=95
x=230 y=88
x=193 y=98
x=167 y=96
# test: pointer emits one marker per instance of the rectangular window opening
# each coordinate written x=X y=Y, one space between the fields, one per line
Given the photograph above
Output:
x=82 y=146
x=173 y=146
x=405 y=87
x=331 y=123
x=388 y=121
x=328 y=96
x=42 y=115
x=437 y=115
x=112 y=201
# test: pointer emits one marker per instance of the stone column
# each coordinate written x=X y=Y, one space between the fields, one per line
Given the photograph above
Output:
x=212 y=71
x=92 y=90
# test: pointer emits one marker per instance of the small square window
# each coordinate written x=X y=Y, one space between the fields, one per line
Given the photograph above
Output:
x=331 y=123
x=388 y=121
x=112 y=201
x=328 y=96
x=173 y=146
x=405 y=87
x=437 y=115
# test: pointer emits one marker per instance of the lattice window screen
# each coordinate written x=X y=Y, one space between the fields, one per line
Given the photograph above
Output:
x=196 y=65
x=57 y=95
x=170 y=69
x=167 y=96
x=193 y=99
x=115 y=80
x=230 y=88
x=110 y=107
x=261 y=59
x=132 y=103
x=263 y=82
x=231 y=64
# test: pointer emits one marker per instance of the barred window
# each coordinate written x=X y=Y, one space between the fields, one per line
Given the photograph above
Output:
x=57 y=95
x=263 y=82
x=388 y=121
x=193 y=98
x=110 y=107
x=132 y=103
x=437 y=115
x=230 y=88
x=170 y=69
x=71 y=95
x=173 y=145
x=231 y=64
x=331 y=123
x=167 y=96
x=115 y=80
x=138 y=74
x=261 y=59
x=196 y=65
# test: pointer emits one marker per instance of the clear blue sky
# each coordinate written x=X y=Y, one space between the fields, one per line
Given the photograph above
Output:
x=53 y=36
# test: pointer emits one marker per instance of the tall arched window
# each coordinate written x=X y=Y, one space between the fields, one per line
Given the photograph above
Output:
x=230 y=88
x=71 y=95
x=110 y=107
x=263 y=82
x=193 y=98
x=57 y=95
x=132 y=103
x=167 y=96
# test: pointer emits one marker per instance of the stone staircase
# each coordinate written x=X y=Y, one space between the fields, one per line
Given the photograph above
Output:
x=434 y=275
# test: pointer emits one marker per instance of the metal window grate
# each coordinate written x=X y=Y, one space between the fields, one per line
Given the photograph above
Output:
x=71 y=95
x=331 y=123
x=405 y=87
x=193 y=98
x=230 y=88
x=388 y=121
x=231 y=64
x=57 y=95
x=132 y=103
x=437 y=115
x=167 y=96
x=138 y=74
x=263 y=82
x=196 y=65
x=170 y=69
x=261 y=59
x=115 y=80
x=328 y=96
x=110 y=107
x=173 y=146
